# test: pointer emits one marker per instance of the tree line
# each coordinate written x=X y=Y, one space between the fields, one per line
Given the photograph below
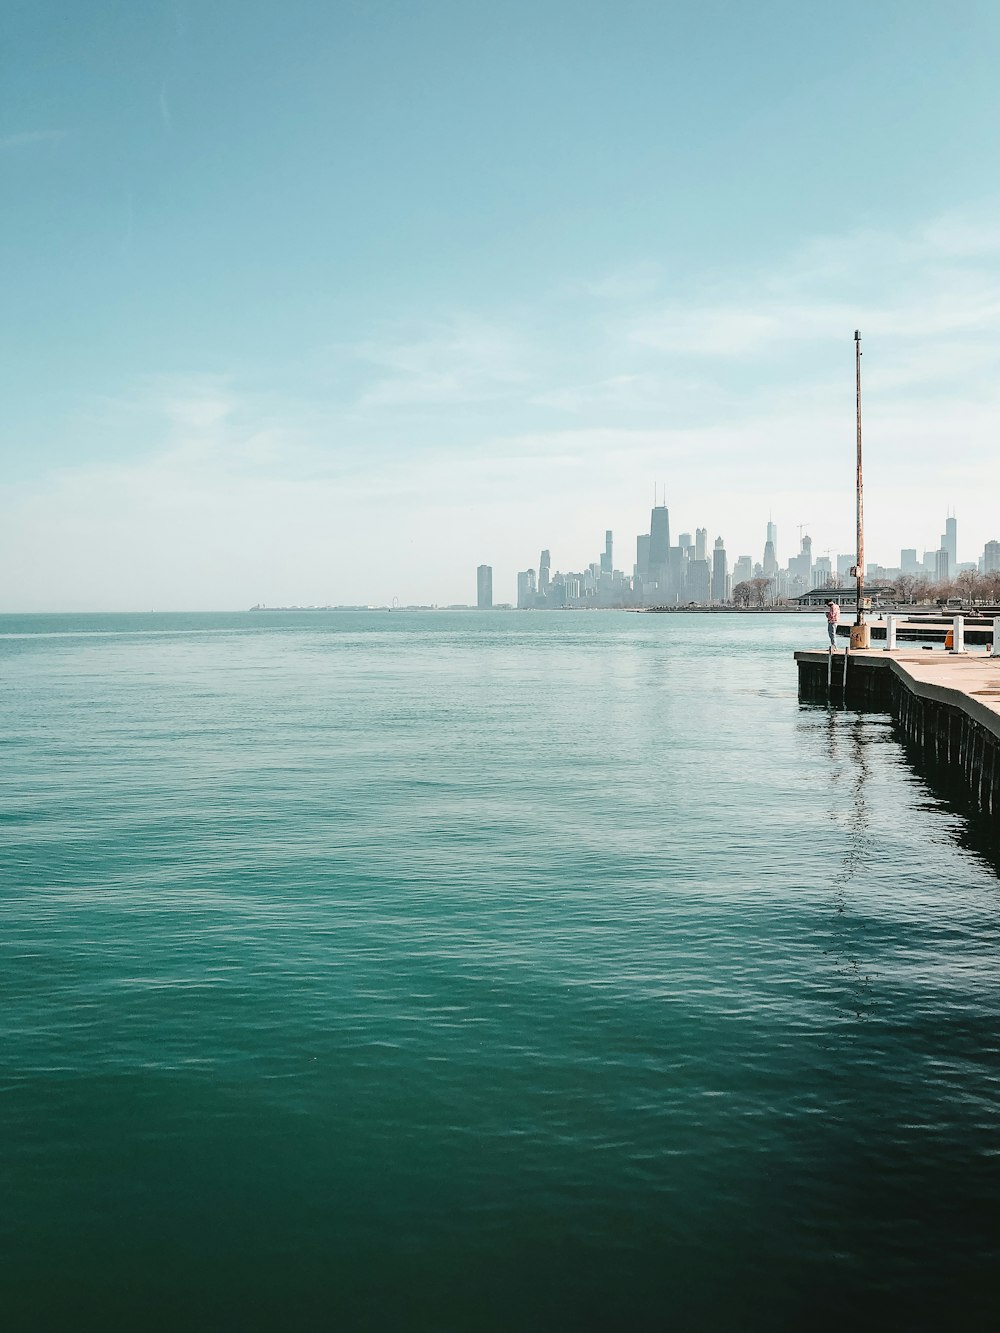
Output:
x=907 y=589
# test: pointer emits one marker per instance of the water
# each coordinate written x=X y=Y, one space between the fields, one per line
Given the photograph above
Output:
x=473 y=972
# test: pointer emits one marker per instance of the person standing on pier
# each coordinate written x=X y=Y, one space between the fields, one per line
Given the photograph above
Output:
x=832 y=621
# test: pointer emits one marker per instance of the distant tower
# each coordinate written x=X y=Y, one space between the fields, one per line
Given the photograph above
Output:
x=659 y=536
x=771 y=551
x=606 y=565
x=526 y=588
x=642 y=555
x=950 y=541
x=719 y=571
x=544 y=571
x=802 y=565
x=701 y=543
x=484 y=587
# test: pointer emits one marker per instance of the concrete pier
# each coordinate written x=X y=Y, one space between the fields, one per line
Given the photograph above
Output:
x=946 y=705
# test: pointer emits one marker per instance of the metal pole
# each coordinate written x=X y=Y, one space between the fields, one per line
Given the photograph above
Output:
x=860 y=632
x=859 y=618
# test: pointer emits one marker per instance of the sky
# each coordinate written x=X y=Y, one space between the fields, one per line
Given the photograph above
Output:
x=331 y=301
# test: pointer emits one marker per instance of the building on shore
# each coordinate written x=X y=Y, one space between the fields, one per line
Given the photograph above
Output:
x=846 y=597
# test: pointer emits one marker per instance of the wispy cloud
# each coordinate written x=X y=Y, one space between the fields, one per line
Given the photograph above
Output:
x=631 y=282
x=29 y=138
x=457 y=361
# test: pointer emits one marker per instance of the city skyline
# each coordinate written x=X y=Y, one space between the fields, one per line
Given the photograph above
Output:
x=310 y=299
x=692 y=570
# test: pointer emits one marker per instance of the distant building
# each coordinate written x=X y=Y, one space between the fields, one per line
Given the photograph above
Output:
x=607 y=564
x=908 y=560
x=701 y=543
x=642 y=555
x=942 y=566
x=526 y=589
x=698 y=581
x=742 y=571
x=659 y=541
x=544 y=572
x=720 y=590
x=822 y=571
x=991 y=557
x=484 y=587
x=800 y=566
x=845 y=563
x=770 y=565
x=949 y=542
x=847 y=598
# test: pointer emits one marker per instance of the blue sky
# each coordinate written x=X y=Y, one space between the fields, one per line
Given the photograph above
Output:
x=333 y=301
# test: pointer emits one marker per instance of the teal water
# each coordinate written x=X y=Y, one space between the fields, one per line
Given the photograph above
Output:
x=501 y=971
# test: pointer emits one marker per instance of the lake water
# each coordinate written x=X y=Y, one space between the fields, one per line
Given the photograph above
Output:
x=482 y=972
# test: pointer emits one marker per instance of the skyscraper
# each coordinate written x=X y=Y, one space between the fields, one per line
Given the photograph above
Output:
x=822 y=574
x=642 y=555
x=659 y=537
x=606 y=559
x=719 y=571
x=526 y=588
x=701 y=543
x=484 y=587
x=742 y=570
x=800 y=566
x=771 y=565
x=949 y=542
x=698 y=581
x=544 y=572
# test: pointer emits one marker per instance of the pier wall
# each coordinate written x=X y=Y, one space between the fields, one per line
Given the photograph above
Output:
x=948 y=715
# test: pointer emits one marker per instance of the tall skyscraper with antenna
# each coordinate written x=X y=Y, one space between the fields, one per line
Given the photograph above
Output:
x=659 y=540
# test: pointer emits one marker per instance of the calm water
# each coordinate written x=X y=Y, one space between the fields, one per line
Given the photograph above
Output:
x=461 y=972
